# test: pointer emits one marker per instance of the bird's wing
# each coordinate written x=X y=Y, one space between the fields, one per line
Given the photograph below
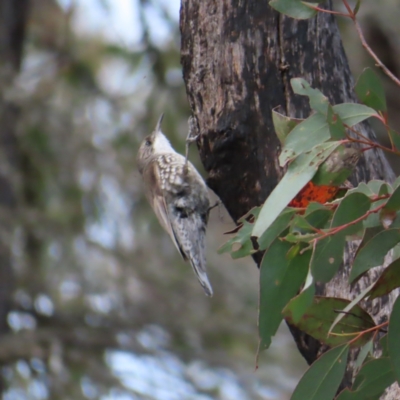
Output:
x=190 y=234
x=156 y=197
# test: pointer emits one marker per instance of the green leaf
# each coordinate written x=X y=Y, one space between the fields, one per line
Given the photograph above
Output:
x=304 y=226
x=357 y=7
x=280 y=280
x=349 y=306
x=276 y=228
x=336 y=127
x=319 y=317
x=312 y=131
x=323 y=378
x=353 y=113
x=299 y=304
x=338 y=166
x=299 y=173
x=374 y=252
x=374 y=219
x=352 y=207
x=393 y=338
x=383 y=344
x=293 y=8
x=365 y=350
x=388 y=281
x=370 y=91
x=327 y=257
x=393 y=204
x=372 y=380
x=318 y=101
x=375 y=185
x=394 y=138
x=388 y=213
x=318 y=218
x=241 y=244
x=283 y=125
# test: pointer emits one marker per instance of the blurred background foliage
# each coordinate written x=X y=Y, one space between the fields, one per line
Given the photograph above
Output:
x=102 y=305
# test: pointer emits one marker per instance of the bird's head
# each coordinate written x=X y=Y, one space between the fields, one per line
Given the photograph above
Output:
x=153 y=144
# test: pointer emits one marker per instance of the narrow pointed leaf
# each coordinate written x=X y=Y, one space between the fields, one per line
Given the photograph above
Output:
x=323 y=378
x=374 y=252
x=299 y=173
x=280 y=280
x=393 y=338
x=364 y=352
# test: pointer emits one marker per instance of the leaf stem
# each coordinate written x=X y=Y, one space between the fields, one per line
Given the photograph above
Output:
x=333 y=231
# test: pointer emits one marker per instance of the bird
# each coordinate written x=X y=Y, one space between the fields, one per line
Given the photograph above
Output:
x=179 y=197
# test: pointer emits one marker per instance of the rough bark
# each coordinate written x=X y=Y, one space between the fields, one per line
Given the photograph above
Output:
x=13 y=16
x=238 y=58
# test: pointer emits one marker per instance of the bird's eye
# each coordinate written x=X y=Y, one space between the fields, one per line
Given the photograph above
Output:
x=148 y=143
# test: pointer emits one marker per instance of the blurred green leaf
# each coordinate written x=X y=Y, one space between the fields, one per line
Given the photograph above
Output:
x=319 y=317
x=280 y=280
x=323 y=378
x=370 y=91
x=373 y=252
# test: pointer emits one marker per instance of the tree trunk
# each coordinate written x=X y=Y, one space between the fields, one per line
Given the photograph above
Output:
x=238 y=58
x=13 y=16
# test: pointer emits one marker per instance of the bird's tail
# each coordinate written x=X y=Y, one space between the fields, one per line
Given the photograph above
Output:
x=199 y=268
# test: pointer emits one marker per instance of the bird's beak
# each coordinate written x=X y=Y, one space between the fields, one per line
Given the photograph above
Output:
x=158 y=126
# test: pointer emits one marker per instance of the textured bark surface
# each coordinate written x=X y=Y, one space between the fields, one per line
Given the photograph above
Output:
x=238 y=58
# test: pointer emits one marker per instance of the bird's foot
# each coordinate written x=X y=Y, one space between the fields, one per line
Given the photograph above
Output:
x=192 y=136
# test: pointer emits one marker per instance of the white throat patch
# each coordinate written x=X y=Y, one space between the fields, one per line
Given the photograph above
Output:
x=161 y=144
